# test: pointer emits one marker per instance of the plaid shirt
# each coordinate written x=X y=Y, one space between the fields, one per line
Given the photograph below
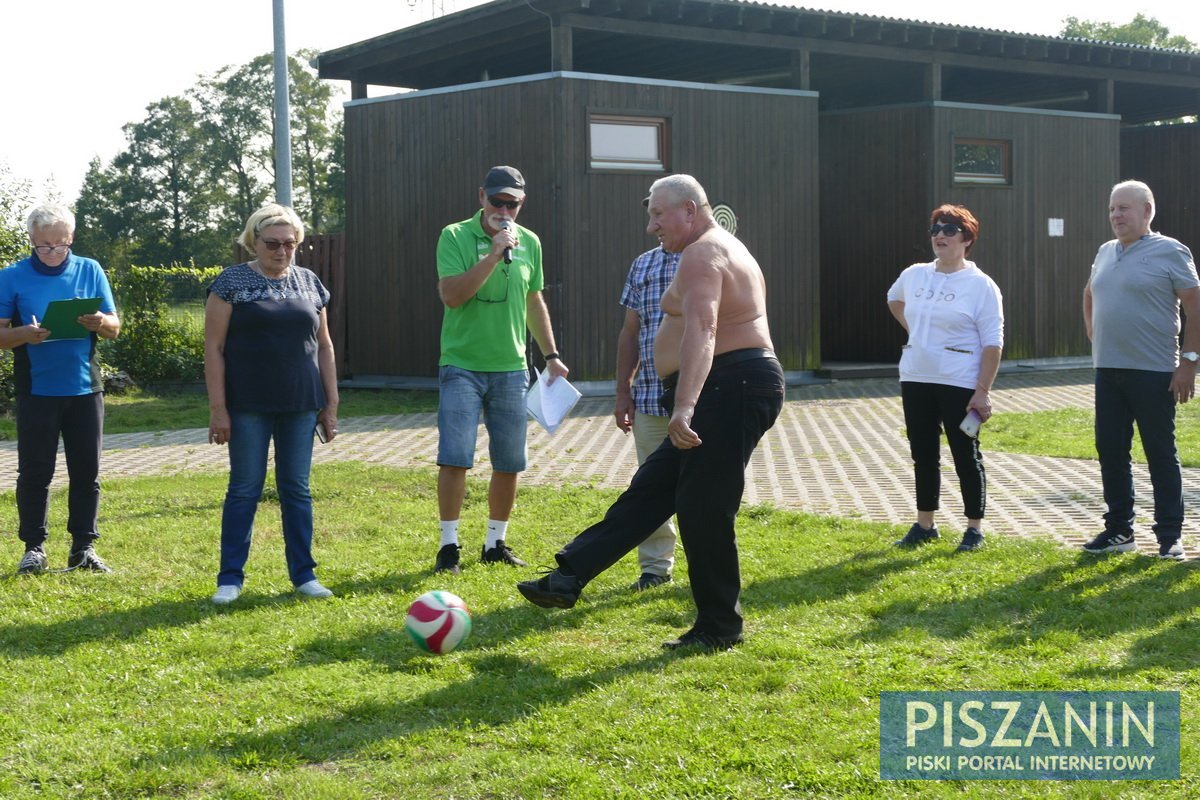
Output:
x=649 y=277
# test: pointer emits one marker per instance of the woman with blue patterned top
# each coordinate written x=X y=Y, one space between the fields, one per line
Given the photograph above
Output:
x=269 y=366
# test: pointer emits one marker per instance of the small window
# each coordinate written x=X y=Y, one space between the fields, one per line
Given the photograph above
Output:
x=985 y=161
x=628 y=143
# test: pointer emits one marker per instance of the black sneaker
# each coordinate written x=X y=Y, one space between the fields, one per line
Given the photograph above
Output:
x=1172 y=549
x=33 y=562
x=87 y=559
x=648 y=580
x=447 y=559
x=501 y=554
x=702 y=641
x=1112 y=541
x=972 y=540
x=552 y=590
x=917 y=535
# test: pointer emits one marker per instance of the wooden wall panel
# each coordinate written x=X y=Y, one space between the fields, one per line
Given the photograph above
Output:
x=899 y=164
x=414 y=165
x=1167 y=159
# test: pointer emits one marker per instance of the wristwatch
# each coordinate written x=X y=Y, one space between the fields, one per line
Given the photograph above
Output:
x=1191 y=356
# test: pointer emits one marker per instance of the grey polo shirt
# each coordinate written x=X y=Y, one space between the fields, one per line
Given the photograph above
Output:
x=1135 y=311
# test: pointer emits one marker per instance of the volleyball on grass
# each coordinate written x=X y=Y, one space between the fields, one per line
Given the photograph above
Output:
x=438 y=622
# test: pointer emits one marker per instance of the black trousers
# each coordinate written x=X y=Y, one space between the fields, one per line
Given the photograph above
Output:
x=703 y=486
x=40 y=422
x=928 y=409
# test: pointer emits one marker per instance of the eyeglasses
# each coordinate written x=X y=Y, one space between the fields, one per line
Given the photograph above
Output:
x=948 y=228
x=46 y=249
x=511 y=205
x=489 y=283
x=271 y=244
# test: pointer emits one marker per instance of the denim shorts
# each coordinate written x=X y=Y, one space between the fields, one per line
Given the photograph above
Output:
x=500 y=398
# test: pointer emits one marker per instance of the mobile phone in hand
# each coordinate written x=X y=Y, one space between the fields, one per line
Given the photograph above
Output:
x=322 y=434
x=970 y=424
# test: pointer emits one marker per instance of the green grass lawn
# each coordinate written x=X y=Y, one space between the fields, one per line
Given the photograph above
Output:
x=133 y=685
x=1068 y=433
x=136 y=410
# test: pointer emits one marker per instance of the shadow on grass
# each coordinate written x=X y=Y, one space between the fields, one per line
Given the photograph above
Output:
x=854 y=575
x=500 y=690
x=1088 y=598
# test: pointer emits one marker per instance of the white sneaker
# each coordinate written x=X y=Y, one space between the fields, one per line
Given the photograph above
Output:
x=226 y=594
x=313 y=589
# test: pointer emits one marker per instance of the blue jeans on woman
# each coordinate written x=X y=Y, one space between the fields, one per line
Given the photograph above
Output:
x=250 y=435
x=1123 y=397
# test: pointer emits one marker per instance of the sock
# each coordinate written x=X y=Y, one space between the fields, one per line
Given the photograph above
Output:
x=495 y=533
x=449 y=532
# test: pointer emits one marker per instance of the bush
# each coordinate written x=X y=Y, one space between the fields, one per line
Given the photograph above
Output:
x=156 y=346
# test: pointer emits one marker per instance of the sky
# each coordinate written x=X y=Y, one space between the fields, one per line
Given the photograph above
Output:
x=70 y=80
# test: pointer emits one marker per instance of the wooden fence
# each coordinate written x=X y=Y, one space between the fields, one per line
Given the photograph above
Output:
x=325 y=254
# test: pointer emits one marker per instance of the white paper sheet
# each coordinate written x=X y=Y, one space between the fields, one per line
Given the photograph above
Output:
x=549 y=403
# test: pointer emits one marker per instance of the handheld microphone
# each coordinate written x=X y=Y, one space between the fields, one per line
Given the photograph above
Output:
x=504 y=226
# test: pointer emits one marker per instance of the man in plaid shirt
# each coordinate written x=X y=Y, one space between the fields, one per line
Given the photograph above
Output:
x=639 y=390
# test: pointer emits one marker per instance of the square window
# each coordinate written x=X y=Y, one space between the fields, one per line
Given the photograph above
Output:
x=627 y=143
x=983 y=161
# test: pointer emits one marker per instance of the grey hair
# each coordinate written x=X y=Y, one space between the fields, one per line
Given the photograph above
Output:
x=1142 y=190
x=681 y=188
x=266 y=217
x=47 y=215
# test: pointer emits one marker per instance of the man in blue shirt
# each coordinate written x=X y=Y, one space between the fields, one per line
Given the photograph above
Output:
x=58 y=386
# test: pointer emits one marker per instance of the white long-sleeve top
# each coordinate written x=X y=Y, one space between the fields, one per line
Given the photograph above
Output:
x=951 y=318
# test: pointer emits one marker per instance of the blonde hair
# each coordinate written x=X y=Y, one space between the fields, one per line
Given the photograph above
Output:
x=265 y=217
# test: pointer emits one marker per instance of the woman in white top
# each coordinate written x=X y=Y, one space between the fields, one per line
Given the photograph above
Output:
x=954 y=316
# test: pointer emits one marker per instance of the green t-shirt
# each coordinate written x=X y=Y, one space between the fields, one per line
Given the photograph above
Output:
x=487 y=333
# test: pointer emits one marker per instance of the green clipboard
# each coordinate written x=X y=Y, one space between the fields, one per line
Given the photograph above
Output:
x=61 y=314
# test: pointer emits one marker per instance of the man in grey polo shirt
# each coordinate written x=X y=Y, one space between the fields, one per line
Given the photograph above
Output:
x=1131 y=309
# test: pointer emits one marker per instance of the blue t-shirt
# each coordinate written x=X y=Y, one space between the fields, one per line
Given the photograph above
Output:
x=271 y=345
x=61 y=367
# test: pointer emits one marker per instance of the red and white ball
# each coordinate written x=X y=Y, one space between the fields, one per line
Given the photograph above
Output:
x=438 y=622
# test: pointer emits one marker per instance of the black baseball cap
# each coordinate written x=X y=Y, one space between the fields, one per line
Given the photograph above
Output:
x=504 y=180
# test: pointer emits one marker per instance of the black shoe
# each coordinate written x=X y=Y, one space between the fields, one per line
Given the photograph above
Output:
x=33 y=562
x=88 y=560
x=552 y=590
x=972 y=540
x=703 y=641
x=917 y=535
x=501 y=554
x=447 y=559
x=1112 y=541
x=1172 y=549
x=649 y=580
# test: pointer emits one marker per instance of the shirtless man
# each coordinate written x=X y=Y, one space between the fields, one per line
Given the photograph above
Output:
x=724 y=388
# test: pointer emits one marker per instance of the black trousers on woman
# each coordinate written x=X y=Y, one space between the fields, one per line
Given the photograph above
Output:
x=703 y=486
x=930 y=408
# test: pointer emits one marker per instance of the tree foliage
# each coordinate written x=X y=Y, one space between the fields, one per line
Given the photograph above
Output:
x=197 y=165
x=1141 y=30
x=15 y=201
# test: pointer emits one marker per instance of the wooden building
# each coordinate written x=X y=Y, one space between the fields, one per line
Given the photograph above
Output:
x=825 y=138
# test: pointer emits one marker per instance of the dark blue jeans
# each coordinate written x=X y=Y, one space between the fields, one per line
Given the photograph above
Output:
x=1125 y=397
x=40 y=422
x=703 y=486
x=250 y=435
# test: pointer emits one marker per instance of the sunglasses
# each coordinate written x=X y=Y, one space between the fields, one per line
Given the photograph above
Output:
x=948 y=228
x=274 y=245
x=511 y=205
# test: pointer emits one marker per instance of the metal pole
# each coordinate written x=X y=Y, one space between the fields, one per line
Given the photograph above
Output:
x=283 y=135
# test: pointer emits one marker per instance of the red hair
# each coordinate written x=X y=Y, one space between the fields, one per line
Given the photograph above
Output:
x=961 y=216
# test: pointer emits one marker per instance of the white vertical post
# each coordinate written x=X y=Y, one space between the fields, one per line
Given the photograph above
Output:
x=283 y=135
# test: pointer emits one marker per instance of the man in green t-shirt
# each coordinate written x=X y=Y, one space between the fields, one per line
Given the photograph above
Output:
x=490 y=280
